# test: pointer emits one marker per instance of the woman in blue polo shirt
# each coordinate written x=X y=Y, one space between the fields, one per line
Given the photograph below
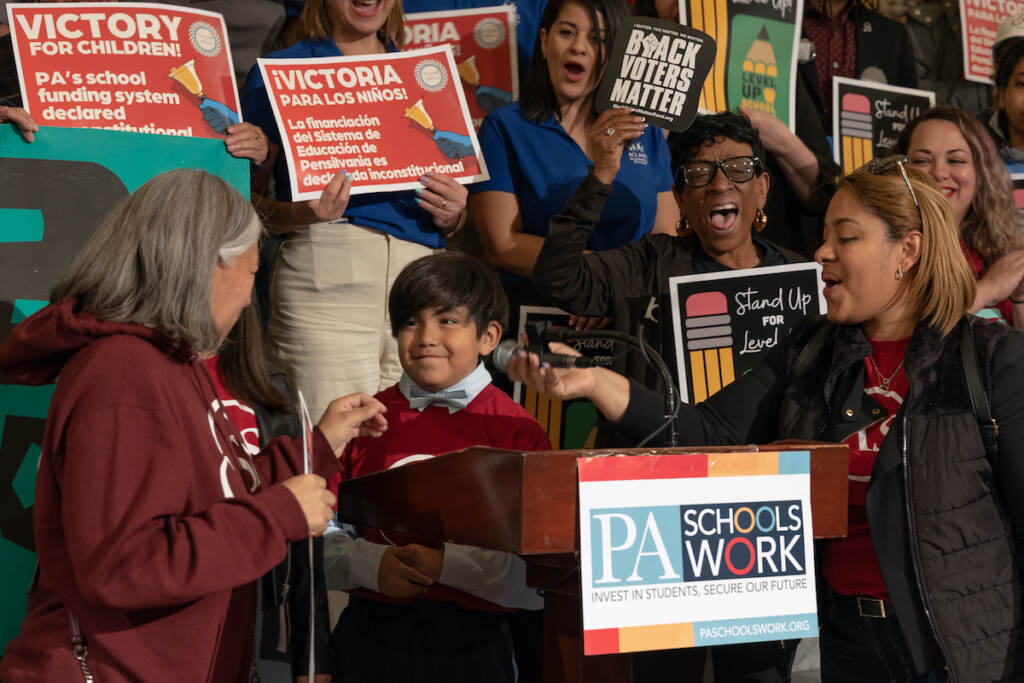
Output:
x=538 y=149
x=339 y=256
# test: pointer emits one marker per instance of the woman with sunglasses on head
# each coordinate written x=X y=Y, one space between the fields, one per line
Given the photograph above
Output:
x=721 y=187
x=538 y=150
x=927 y=586
x=952 y=147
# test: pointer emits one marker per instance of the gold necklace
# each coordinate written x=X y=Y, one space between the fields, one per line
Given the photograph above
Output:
x=882 y=379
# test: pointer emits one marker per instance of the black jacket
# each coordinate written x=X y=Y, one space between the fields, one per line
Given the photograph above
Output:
x=942 y=515
x=883 y=45
x=630 y=283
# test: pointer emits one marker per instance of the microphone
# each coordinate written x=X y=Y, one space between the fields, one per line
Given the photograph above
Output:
x=508 y=348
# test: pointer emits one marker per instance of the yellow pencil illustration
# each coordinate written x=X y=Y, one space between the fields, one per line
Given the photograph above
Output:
x=547 y=412
x=856 y=132
x=709 y=341
x=760 y=62
x=712 y=17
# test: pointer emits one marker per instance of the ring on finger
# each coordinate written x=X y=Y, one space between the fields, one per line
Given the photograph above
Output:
x=444 y=203
x=609 y=131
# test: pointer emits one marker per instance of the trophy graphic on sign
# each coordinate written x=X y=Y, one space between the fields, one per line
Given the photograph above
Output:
x=488 y=97
x=218 y=115
x=452 y=145
x=418 y=113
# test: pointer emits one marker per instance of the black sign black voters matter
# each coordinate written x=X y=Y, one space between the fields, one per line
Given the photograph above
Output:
x=657 y=69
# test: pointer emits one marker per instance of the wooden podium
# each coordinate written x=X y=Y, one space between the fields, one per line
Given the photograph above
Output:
x=526 y=503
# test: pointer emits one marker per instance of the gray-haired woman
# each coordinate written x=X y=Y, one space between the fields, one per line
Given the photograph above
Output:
x=151 y=520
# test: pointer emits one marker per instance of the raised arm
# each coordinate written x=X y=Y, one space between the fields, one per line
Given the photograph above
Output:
x=587 y=283
x=742 y=412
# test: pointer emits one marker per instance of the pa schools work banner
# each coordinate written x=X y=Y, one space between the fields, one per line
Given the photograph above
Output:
x=755 y=65
x=979 y=20
x=385 y=119
x=483 y=43
x=694 y=550
x=125 y=66
x=724 y=322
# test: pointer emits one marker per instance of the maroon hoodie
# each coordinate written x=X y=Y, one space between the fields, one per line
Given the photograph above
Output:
x=144 y=522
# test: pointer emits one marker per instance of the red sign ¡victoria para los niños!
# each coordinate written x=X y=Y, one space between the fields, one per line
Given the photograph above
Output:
x=386 y=119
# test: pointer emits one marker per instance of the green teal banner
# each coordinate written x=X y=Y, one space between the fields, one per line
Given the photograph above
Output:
x=55 y=192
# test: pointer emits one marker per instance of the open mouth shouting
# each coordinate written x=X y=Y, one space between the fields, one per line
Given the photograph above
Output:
x=723 y=216
x=575 y=71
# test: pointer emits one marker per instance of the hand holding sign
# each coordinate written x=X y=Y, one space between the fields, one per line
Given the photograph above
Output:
x=443 y=198
x=657 y=68
x=331 y=205
x=608 y=137
x=22 y=119
x=247 y=141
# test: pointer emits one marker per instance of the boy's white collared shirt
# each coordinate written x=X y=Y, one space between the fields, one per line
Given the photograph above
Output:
x=454 y=398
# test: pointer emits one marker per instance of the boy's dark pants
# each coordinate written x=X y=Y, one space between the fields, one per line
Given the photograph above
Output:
x=421 y=642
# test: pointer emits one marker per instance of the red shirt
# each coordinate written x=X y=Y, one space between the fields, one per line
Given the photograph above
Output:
x=851 y=566
x=993 y=310
x=491 y=419
x=835 y=48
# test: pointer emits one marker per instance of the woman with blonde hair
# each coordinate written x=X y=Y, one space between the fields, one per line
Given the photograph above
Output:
x=953 y=148
x=339 y=255
x=927 y=585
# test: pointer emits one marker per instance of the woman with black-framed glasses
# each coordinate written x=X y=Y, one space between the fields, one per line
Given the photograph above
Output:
x=927 y=586
x=721 y=188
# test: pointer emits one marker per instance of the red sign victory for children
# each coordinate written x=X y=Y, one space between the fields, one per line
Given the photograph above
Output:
x=125 y=66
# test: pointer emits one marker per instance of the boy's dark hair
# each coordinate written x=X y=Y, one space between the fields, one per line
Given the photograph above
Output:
x=708 y=129
x=538 y=98
x=446 y=281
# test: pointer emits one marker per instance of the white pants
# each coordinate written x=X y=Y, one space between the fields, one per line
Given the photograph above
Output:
x=329 y=322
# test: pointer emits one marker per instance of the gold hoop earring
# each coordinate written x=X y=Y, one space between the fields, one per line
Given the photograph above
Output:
x=682 y=229
x=760 y=220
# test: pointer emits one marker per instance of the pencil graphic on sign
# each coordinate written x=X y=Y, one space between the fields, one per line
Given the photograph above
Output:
x=760 y=70
x=709 y=340
x=855 y=130
x=712 y=17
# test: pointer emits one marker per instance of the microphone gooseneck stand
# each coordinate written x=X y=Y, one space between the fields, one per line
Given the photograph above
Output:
x=653 y=358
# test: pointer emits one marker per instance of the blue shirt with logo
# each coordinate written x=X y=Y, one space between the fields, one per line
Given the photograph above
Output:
x=394 y=213
x=542 y=165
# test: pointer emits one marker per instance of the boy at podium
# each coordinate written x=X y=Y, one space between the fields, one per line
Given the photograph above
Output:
x=419 y=613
